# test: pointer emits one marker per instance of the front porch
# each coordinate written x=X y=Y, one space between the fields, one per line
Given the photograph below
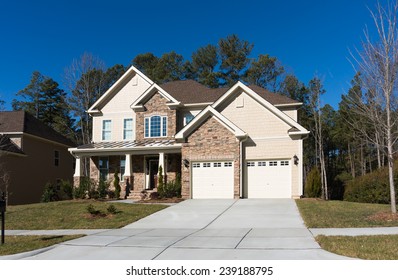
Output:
x=137 y=167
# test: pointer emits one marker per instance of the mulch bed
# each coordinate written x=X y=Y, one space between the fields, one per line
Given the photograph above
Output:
x=383 y=216
x=163 y=200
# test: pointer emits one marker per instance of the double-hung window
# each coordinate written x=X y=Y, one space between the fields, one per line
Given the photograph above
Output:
x=127 y=129
x=106 y=130
x=104 y=168
x=155 y=126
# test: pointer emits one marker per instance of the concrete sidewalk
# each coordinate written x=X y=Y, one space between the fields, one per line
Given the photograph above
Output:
x=198 y=229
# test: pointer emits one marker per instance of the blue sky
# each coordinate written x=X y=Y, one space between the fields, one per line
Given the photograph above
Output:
x=309 y=37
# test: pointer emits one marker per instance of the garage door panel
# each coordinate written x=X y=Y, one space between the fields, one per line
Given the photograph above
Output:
x=269 y=179
x=212 y=180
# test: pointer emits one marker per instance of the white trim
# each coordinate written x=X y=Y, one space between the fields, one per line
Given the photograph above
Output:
x=289 y=105
x=136 y=105
x=124 y=129
x=263 y=102
x=161 y=126
x=198 y=119
x=102 y=130
x=132 y=69
x=119 y=151
x=188 y=105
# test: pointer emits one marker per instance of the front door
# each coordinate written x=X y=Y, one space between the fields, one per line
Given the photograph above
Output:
x=153 y=173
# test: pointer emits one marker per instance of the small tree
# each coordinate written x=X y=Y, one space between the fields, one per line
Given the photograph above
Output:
x=160 y=182
x=313 y=185
x=116 y=185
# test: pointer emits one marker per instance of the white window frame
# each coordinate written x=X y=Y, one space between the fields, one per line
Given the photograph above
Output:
x=105 y=132
x=163 y=125
x=128 y=130
x=122 y=171
x=188 y=114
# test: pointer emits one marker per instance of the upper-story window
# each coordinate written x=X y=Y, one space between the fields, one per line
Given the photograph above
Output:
x=188 y=117
x=106 y=130
x=127 y=129
x=155 y=126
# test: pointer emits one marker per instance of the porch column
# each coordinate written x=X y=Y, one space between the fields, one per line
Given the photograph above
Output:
x=127 y=168
x=78 y=172
x=161 y=162
x=128 y=177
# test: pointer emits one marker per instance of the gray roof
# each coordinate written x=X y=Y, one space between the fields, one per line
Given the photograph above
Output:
x=20 y=121
x=128 y=144
x=190 y=91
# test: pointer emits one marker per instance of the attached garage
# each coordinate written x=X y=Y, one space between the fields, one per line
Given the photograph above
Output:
x=213 y=179
x=269 y=179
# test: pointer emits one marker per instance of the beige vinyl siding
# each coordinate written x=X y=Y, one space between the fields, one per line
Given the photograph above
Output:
x=268 y=134
x=291 y=113
x=118 y=109
x=254 y=118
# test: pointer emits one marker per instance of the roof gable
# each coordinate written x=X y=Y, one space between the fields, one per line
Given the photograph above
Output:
x=104 y=99
x=138 y=104
x=239 y=86
x=202 y=116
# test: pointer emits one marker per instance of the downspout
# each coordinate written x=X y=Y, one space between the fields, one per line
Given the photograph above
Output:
x=241 y=162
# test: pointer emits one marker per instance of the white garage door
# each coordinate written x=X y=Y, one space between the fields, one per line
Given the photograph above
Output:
x=213 y=179
x=269 y=179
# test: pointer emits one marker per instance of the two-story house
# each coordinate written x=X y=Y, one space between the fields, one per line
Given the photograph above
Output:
x=237 y=142
x=32 y=154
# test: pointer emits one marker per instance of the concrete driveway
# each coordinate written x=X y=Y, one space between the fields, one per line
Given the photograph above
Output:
x=203 y=229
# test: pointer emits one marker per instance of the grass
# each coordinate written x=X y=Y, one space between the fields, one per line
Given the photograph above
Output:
x=377 y=247
x=343 y=214
x=18 y=244
x=74 y=215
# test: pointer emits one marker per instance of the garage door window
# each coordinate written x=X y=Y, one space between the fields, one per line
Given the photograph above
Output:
x=273 y=163
x=261 y=163
x=207 y=164
x=196 y=165
x=284 y=163
x=250 y=164
x=227 y=164
x=217 y=164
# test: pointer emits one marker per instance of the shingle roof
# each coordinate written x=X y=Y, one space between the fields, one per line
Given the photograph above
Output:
x=190 y=91
x=20 y=121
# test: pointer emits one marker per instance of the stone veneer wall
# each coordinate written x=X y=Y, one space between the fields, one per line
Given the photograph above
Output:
x=156 y=105
x=211 y=141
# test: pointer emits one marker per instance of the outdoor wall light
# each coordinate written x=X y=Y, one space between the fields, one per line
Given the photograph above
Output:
x=185 y=162
x=295 y=160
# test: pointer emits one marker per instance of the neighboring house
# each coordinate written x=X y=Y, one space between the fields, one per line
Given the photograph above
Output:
x=237 y=142
x=31 y=154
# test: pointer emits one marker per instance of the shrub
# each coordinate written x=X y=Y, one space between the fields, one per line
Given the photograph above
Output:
x=370 y=188
x=85 y=189
x=103 y=188
x=160 y=182
x=65 y=190
x=111 y=209
x=171 y=189
x=313 y=185
x=116 y=185
x=91 y=209
x=50 y=193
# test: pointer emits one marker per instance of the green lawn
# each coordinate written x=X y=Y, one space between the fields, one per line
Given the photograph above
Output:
x=378 y=247
x=74 y=215
x=19 y=244
x=343 y=214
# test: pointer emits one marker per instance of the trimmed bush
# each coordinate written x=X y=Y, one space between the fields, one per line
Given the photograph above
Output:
x=116 y=185
x=160 y=182
x=50 y=193
x=85 y=189
x=171 y=189
x=370 y=188
x=313 y=184
x=103 y=188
